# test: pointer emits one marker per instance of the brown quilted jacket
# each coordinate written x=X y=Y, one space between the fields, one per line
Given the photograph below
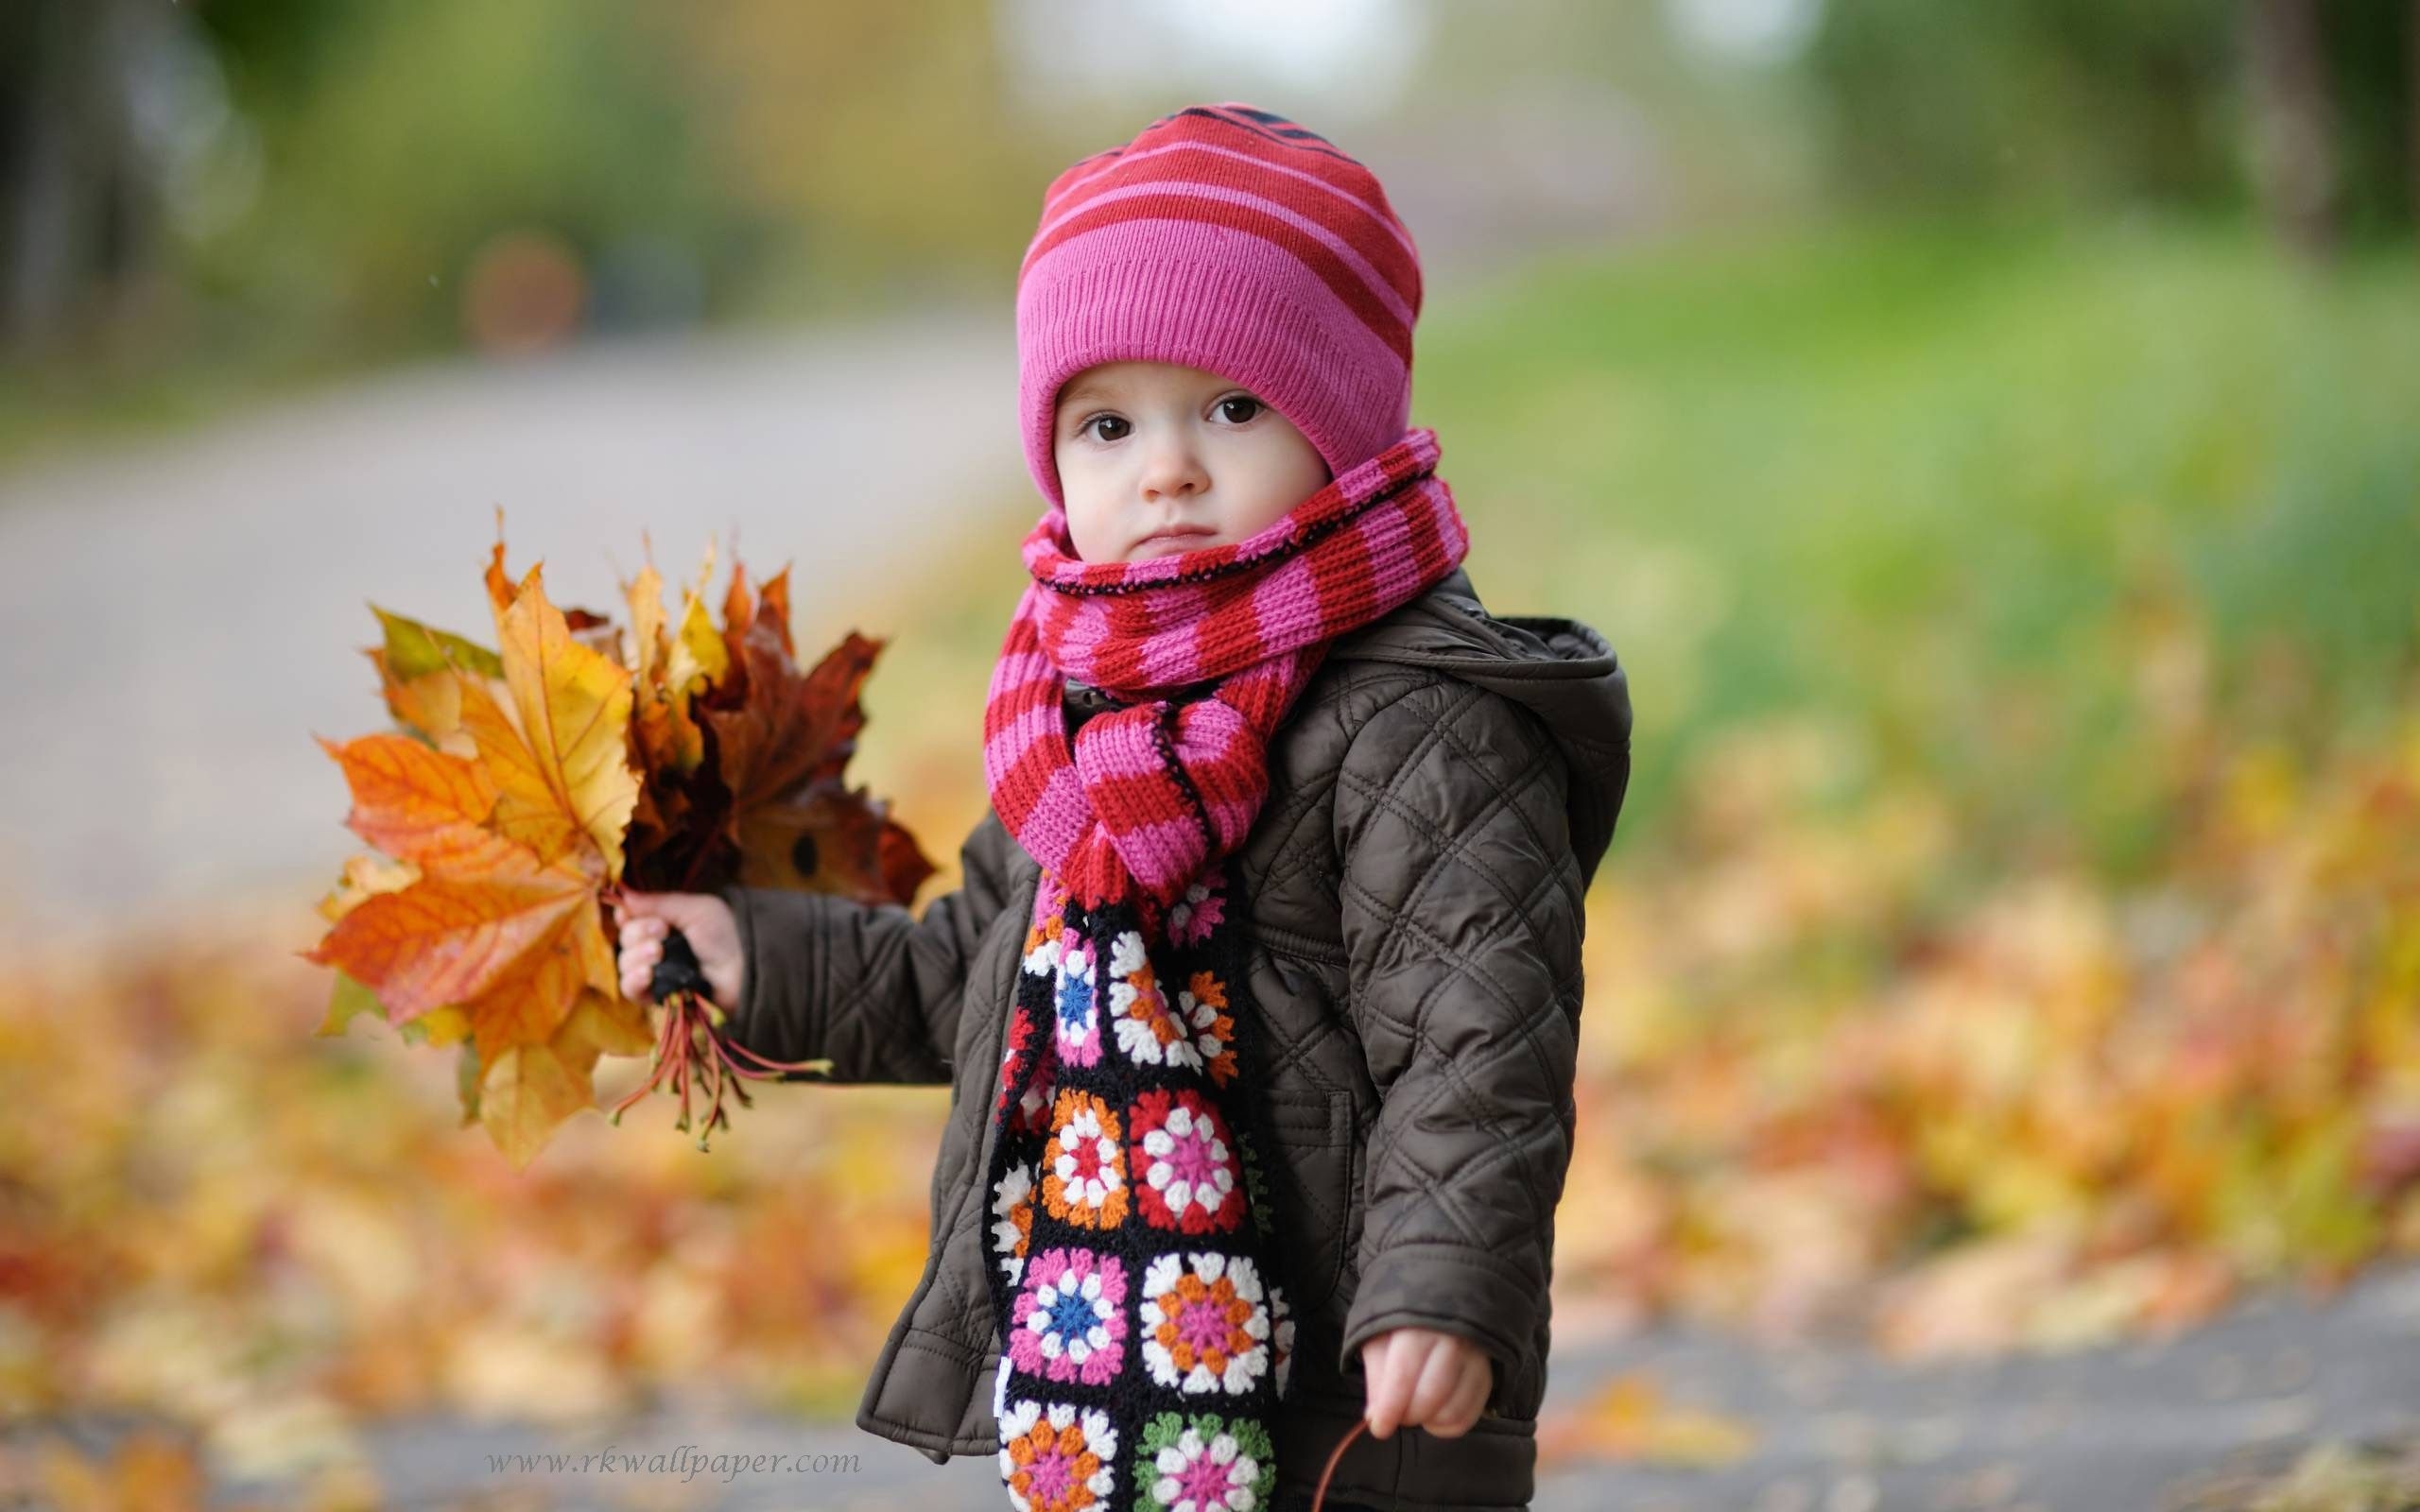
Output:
x=1440 y=796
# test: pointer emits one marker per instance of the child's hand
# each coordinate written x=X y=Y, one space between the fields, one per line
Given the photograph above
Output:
x=706 y=920
x=1424 y=1378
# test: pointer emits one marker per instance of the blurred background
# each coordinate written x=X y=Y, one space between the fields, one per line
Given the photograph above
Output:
x=1989 y=435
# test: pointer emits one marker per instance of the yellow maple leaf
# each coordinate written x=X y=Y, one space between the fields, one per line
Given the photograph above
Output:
x=526 y=1092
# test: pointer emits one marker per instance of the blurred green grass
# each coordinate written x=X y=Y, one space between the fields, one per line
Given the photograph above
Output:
x=1919 y=475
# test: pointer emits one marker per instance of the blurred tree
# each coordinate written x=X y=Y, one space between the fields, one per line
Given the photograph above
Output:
x=272 y=49
x=2293 y=122
x=2313 y=108
x=78 y=199
x=2371 y=51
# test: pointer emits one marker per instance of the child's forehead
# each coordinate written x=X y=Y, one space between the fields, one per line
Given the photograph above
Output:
x=1116 y=380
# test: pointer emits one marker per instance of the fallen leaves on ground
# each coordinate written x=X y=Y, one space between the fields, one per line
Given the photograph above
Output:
x=1629 y=1419
x=209 y=1215
x=2330 y=1476
x=1845 y=1077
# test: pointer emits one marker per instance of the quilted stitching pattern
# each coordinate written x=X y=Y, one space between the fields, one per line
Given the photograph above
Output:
x=1460 y=902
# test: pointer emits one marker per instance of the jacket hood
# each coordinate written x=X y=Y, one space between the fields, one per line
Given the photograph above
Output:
x=1560 y=669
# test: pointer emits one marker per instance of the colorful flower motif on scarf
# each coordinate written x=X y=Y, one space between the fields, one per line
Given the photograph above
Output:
x=1013 y=1220
x=1149 y=1031
x=1184 y=1164
x=1078 y=1015
x=1084 y=1165
x=1056 y=1458
x=1203 y=1462
x=1203 y=1006
x=1042 y=941
x=1192 y=916
x=1033 y=1104
x=1070 y=1318
x=1205 y=1322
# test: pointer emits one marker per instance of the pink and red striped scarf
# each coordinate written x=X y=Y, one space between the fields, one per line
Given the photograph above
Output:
x=1145 y=1329
x=1152 y=794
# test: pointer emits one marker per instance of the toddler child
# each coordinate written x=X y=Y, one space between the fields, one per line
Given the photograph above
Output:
x=1259 y=994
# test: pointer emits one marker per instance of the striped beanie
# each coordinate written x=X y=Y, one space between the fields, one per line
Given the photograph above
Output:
x=1226 y=238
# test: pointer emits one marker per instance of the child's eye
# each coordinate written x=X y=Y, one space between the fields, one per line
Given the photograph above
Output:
x=1257 y=407
x=1086 y=428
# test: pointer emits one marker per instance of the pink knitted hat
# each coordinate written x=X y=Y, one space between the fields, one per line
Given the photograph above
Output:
x=1230 y=239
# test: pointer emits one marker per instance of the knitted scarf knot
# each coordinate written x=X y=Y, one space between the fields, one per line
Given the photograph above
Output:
x=1145 y=1328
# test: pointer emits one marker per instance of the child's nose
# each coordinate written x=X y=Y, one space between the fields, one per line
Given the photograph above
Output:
x=1174 y=472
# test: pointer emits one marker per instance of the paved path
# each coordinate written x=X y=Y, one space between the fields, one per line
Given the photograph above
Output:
x=2106 y=1429
x=2102 y=1429
x=178 y=616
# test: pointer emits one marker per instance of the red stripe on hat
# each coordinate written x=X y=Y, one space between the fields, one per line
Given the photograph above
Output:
x=1352 y=206
x=1347 y=179
x=1341 y=278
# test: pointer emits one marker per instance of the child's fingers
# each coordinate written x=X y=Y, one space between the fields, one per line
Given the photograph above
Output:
x=1440 y=1373
x=637 y=930
x=1390 y=1391
x=1460 y=1413
x=638 y=968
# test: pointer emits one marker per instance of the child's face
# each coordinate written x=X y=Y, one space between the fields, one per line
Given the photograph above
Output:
x=1145 y=447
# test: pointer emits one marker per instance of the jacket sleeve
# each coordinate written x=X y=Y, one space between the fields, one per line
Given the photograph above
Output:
x=1461 y=919
x=872 y=987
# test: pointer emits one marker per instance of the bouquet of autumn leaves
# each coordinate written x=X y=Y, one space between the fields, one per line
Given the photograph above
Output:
x=524 y=785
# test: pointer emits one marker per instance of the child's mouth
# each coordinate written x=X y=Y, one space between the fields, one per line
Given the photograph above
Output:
x=1172 y=541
